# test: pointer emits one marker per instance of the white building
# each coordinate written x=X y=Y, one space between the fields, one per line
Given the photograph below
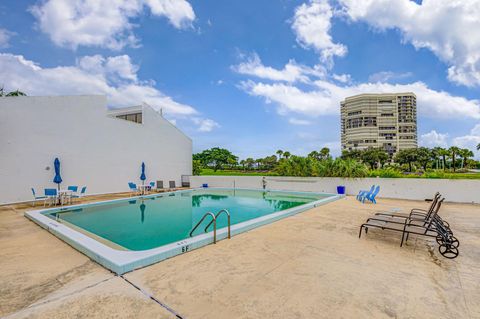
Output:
x=385 y=120
x=98 y=148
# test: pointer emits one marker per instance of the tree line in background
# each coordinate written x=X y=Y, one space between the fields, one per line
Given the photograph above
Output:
x=12 y=93
x=355 y=163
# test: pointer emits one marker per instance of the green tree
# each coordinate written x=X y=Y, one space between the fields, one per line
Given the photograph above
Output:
x=286 y=155
x=16 y=93
x=250 y=162
x=443 y=153
x=465 y=153
x=279 y=153
x=324 y=153
x=407 y=156
x=196 y=167
x=12 y=93
x=314 y=154
x=216 y=157
x=353 y=154
x=374 y=157
x=423 y=156
x=232 y=161
x=270 y=161
x=243 y=162
x=478 y=147
x=435 y=154
x=453 y=154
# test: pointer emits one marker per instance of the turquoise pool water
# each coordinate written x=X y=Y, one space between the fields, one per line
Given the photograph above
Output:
x=146 y=223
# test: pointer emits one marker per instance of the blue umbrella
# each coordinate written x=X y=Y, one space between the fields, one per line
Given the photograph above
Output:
x=57 y=179
x=142 y=176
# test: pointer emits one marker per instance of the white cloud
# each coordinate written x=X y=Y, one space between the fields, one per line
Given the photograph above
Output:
x=312 y=24
x=103 y=23
x=113 y=76
x=289 y=98
x=387 y=76
x=292 y=72
x=343 y=78
x=296 y=121
x=115 y=68
x=178 y=12
x=470 y=141
x=5 y=36
x=205 y=125
x=433 y=139
x=325 y=96
x=447 y=28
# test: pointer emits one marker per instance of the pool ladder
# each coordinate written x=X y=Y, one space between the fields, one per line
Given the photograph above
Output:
x=214 y=222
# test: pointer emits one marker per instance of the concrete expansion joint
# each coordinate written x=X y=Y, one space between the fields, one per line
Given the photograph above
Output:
x=149 y=296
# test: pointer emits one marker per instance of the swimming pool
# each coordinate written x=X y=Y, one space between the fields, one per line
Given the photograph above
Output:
x=126 y=234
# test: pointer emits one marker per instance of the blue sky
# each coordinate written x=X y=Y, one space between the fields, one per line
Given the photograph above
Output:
x=253 y=76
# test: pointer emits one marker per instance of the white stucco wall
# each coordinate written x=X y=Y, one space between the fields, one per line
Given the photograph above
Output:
x=95 y=150
x=462 y=191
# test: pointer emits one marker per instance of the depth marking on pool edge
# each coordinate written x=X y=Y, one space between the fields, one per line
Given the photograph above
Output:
x=153 y=298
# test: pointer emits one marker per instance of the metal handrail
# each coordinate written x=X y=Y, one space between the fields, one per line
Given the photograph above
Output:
x=216 y=216
x=214 y=220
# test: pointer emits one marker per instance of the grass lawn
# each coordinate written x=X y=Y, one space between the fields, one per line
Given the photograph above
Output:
x=433 y=175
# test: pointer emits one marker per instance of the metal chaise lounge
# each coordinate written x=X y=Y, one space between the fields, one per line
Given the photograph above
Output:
x=414 y=211
x=390 y=216
x=448 y=244
x=418 y=214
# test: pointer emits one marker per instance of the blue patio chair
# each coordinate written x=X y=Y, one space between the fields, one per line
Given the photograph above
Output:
x=81 y=194
x=51 y=195
x=371 y=196
x=35 y=197
x=361 y=194
x=69 y=197
x=133 y=188
x=150 y=186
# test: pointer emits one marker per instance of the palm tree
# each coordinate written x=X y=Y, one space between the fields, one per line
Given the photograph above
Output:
x=314 y=154
x=443 y=153
x=465 y=153
x=454 y=151
x=478 y=147
x=324 y=153
x=259 y=162
x=249 y=162
x=435 y=155
x=243 y=162
x=286 y=154
x=279 y=153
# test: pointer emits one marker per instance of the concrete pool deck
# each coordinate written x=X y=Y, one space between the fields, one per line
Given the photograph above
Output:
x=311 y=265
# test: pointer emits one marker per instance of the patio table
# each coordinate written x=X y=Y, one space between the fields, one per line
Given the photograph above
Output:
x=64 y=193
x=142 y=188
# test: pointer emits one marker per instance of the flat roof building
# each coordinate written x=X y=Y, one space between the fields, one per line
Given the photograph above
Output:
x=98 y=147
x=386 y=120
